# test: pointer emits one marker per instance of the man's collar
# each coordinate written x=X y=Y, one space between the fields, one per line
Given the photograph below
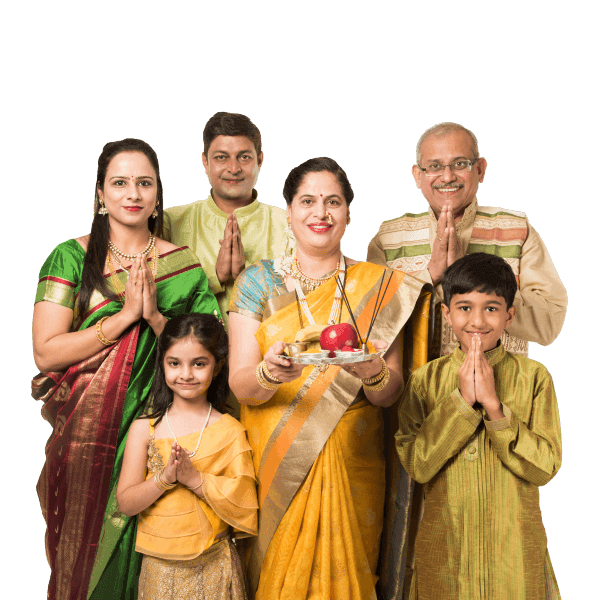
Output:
x=467 y=220
x=245 y=211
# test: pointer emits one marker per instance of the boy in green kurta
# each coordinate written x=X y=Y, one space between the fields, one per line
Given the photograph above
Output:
x=480 y=429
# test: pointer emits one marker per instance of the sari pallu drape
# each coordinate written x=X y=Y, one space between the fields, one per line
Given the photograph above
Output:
x=319 y=454
x=85 y=406
x=100 y=563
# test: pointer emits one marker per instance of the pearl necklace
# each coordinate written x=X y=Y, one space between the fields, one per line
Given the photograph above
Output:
x=311 y=283
x=191 y=454
x=144 y=252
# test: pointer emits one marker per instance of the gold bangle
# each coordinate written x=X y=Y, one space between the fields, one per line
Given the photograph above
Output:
x=101 y=337
x=377 y=387
x=161 y=483
x=377 y=378
x=262 y=381
x=201 y=482
x=267 y=373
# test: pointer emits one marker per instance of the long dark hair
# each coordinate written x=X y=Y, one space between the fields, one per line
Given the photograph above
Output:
x=92 y=277
x=209 y=332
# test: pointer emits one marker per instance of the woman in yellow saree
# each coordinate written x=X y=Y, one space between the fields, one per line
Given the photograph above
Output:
x=317 y=436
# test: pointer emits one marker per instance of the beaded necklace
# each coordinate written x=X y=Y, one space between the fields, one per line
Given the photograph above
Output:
x=122 y=254
x=191 y=454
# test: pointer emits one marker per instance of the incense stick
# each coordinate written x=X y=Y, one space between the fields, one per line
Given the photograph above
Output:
x=376 y=303
x=378 y=308
x=343 y=292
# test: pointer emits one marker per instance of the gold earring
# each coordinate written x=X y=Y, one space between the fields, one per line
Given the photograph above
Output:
x=102 y=210
x=155 y=212
x=348 y=220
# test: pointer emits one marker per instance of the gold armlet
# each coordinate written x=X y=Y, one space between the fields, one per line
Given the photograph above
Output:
x=262 y=381
x=101 y=337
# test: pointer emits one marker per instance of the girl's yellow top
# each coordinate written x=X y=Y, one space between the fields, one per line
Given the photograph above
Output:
x=180 y=525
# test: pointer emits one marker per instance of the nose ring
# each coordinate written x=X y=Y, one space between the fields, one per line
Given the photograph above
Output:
x=329 y=219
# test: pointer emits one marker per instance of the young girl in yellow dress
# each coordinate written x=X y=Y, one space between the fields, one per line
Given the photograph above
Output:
x=187 y=471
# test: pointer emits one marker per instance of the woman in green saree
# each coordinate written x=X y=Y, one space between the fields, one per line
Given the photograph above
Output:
x=101 y=302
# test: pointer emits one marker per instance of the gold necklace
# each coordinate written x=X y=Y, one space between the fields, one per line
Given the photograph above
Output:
x=311 y=283
x=144 y=252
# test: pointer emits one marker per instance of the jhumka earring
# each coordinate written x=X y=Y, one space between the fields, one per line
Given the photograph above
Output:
x=155 y=212
x=290 y=239
x=102 y=210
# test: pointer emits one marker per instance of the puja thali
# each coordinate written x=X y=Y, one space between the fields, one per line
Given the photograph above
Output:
x=341 y=358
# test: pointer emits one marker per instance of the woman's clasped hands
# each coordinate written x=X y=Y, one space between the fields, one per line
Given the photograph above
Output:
x=140 y=293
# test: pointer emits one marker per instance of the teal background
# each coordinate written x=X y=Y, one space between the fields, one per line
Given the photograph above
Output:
x=354 y=81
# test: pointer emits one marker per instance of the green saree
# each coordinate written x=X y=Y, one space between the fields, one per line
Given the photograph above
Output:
x=89 y=542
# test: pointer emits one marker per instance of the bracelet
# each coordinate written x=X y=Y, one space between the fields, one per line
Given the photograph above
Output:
x=201 y=482
x=267 y=373
x=377 y=387
x=377 y=383
x=377 y=378
x=101 y=337
x=161 y=484
x=262 y=381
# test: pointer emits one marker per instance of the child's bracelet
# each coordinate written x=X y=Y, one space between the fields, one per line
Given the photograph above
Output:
x=201 y=482
x=161 y=484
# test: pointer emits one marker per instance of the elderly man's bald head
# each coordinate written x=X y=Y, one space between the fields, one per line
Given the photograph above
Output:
x=442 y=129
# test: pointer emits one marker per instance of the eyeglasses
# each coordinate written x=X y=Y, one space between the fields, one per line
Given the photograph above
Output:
x=436 y=169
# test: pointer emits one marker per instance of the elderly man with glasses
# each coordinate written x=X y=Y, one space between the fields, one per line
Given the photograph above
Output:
x=448 y=173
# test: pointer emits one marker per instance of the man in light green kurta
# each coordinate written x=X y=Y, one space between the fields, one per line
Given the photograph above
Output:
x=231 y=229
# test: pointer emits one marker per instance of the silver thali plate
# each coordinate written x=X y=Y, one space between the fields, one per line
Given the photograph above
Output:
x=341 y=358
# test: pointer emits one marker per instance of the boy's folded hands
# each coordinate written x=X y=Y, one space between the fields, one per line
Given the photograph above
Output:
x=477 y=383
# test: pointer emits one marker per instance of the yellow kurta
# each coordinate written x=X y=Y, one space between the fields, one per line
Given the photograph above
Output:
x=482 y=535
x=180 y=525
x=200 y=226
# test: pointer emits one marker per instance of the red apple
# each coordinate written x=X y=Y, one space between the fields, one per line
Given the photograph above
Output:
x=335 y=337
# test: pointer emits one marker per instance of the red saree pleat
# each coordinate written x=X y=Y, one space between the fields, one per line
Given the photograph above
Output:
x=84 y=405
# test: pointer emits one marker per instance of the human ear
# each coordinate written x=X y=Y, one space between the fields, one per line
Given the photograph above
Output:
x=512 y=311
x=416 y=171
x=218 y=367
x=481 y=167
x=205 y=163
x=446 y=313
x=259 y=160
x=100 y=193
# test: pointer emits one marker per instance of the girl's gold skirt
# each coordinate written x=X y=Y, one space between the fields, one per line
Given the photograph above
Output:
x=214 y=575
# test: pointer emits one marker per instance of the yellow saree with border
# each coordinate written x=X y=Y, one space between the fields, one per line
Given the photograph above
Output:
x=319 y=450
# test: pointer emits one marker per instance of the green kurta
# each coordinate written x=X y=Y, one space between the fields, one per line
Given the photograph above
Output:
x=482 y=535
x=181 y=288
x=201 y=225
